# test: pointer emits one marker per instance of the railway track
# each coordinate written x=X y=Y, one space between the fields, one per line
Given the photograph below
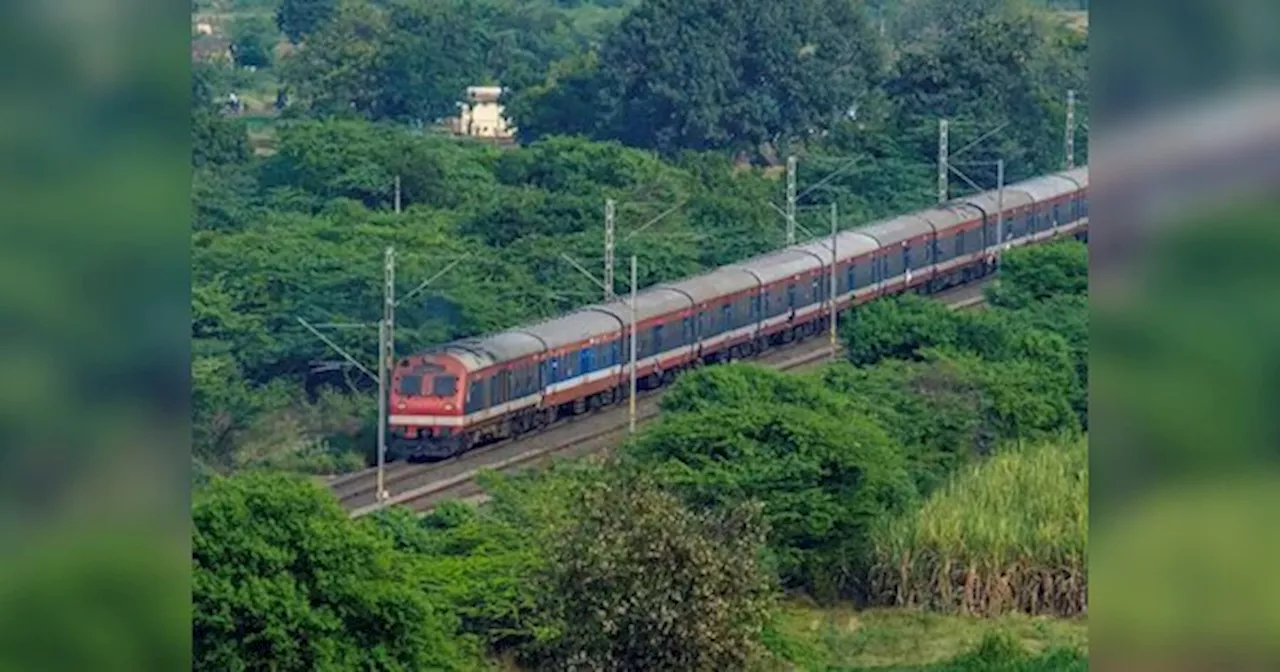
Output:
x=422 y=486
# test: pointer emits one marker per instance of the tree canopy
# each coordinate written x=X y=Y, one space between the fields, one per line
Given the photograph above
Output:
x=715 y=74
x=284 y=580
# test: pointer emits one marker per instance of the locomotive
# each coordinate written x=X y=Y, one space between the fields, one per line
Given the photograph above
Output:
x=449 y=399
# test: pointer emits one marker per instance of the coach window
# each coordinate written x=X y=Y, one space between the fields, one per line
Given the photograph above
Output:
x=850 y=277
x=687 y=331
x=906 y=258
x=495 y=391
x=726 y=319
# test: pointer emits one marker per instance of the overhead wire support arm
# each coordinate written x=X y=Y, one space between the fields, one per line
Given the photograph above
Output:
x=842 y=170
x=426 y=283
x=347 y=325
x=952 y=168
x=337 y=348
x=982 y=137
x=584 y=271
x=655 y=220
x=797 y=225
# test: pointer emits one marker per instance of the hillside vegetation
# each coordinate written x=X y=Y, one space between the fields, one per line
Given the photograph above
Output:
x=738 y=530
x=752 y=485
x=301 y=233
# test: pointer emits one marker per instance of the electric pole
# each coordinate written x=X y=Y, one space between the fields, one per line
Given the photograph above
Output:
x=610 y=212
x=1000 y=198
x=942 y=160
x=791 y=200
x=397 y=194
x=834 y=258
x=386 y=358
x=1070 y=139
x=632 y=396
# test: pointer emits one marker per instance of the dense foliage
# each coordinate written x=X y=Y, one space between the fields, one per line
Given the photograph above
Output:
x=575 y=570
x=832 y=453
x=680 y=112
x=297 y=229
x=758 y=435
x=283 y=579
x=637 y=582
x=816 y=479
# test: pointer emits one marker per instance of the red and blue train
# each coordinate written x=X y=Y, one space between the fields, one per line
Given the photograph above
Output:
x=451 y=398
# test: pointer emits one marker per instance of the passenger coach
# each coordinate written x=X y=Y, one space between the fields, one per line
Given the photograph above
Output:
x=448 y=399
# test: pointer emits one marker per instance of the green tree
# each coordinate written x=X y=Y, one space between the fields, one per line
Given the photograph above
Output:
x=721 y=74
x=253 y=41
x=938 y=411
x=568 y=102
x=1006 y=67
x=285 y=580
x=479 y=563
x=299 y=18
x=217 y=140
x=336 y=73
x=1032 y=274
x=897 y=327
x=823 y=472
x=637 y=582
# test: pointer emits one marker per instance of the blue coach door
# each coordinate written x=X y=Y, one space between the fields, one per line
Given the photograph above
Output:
x=586 y=362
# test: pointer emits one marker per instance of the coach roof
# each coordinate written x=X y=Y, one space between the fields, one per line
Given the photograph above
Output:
x=720 y=282
x=650 y=303
x=780 y=265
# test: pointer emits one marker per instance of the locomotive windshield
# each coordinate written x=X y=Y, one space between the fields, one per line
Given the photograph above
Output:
x=428 y=380
x=411 y=384
x=444 y=386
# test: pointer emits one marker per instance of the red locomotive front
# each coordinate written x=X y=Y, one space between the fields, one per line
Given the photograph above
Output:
x=425 y=414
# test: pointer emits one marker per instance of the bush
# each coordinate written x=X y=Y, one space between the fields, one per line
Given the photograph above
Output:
x=285 y=580
x=822 y=471
x=638 y=582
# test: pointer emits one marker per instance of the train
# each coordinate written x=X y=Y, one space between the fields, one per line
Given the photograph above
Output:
x=446 y=400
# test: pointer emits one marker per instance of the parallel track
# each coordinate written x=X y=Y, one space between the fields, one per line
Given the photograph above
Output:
x=422 y=486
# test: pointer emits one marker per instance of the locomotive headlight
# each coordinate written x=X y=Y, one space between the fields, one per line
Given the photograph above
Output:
x=400 y=406
x=448 y=407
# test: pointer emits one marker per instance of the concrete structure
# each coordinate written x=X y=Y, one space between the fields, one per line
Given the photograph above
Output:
x=481 y=115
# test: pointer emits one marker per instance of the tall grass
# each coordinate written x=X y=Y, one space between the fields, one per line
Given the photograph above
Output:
x=1008 y=534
